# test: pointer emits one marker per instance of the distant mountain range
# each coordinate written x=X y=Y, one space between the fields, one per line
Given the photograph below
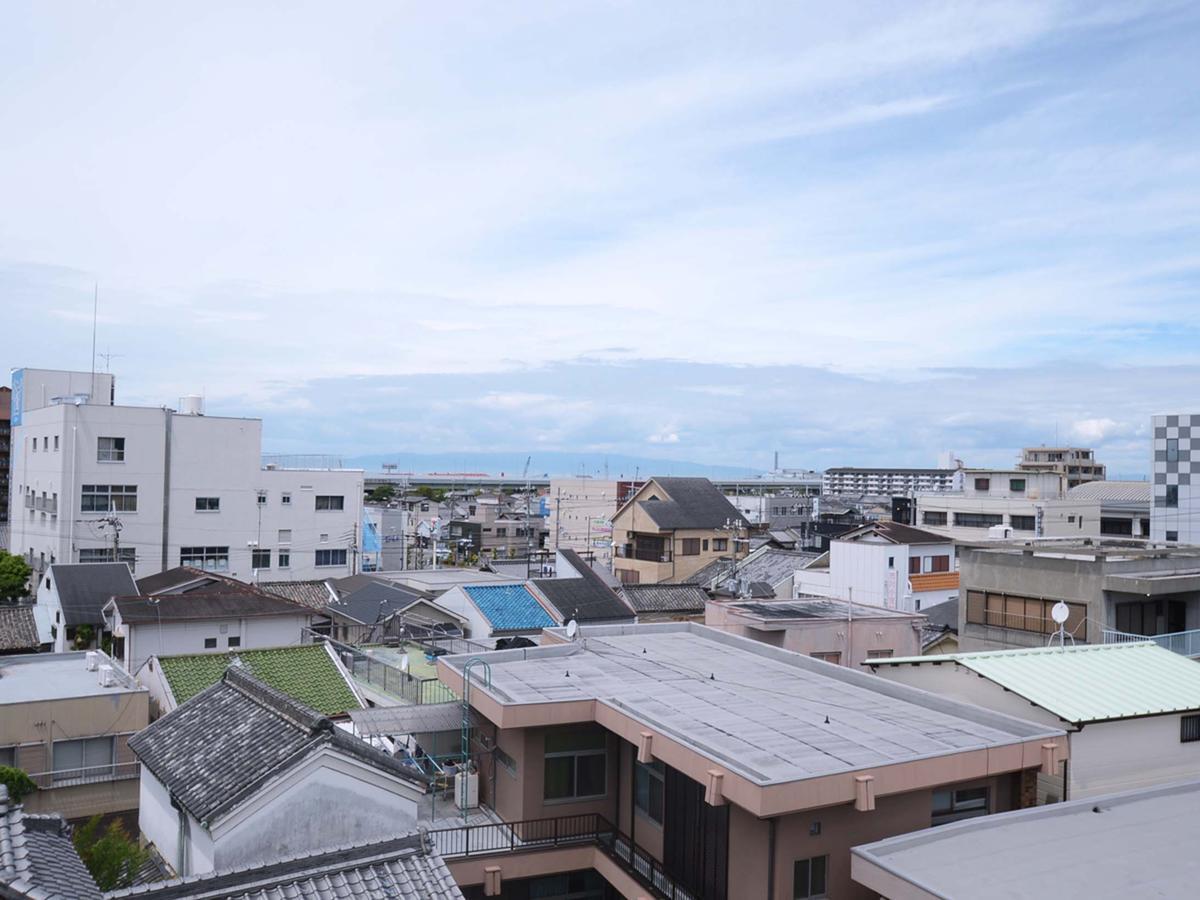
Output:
x=597 y=465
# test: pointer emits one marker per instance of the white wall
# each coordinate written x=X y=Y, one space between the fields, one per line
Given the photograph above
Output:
x=143 y=640
x=159 y=823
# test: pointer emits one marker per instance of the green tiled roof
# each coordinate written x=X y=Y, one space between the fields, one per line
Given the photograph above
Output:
x=305 y=673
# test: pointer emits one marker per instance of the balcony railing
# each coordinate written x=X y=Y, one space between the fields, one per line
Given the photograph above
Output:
x=87 y=775
x=644 y=554
x=1185 y=643
x=563 y=831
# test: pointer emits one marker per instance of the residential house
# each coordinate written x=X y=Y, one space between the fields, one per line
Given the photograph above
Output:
x=372 y=610
x=885 y=564
x=37 y=857
x=497 y=611
x=310 y=674
x=666 y=602
x=578 y=593
x=672 y=527
x=1126 y=845
x=217 y=618
x=772 y=569
x=19 y=631
x=824 y=628
x=1131 y=711
x=66 y=720
x=241 y=774
x=316 y=594
x=939 y=634
x=682 y=760
x=74 y=596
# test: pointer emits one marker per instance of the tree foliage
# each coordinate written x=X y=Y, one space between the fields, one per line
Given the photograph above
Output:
x=14 y=577
x=382 y=494
x=18 y=783
x=110 y=854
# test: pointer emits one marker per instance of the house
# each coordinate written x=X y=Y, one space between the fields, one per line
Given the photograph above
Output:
x=821 y=627
x=767 y=566
x=579 y=593
x=403 y=868
x=1131 y=711
x=939 y=634
x=216 y=618
x=315 y=594
x=66 y=720
x=310 y=674
x=74 y=596
x=38 y=858
x=720 y=766
x=242 y=774
x=666 y=602
x=496 y=611
x=434 y=582
x=1135 y=844
x=19 y=630
x=672 y=527
x=373 y=610
x=885 y=564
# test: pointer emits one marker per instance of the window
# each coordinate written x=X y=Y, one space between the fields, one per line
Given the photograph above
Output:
x=501 y=532
x=1172 y=449
x=105 y=555
x=834 y=656
x=212 y=559
x=933 y=518
x=208 y=504
x=689 y=547
x=720 y=545
x=1189 y=729
x=330 y=502
x=260 y=559
x=1023 y=523
x=891 y=562
x=110 y=449
x=56 y=442
x=808 y=877
x=649 y=789
x=1172 y=535
x=1016 y=485
x=1022 y=613
x=8 y=756
x=879 y=654
x=262 y=498
x=285 y=559
x=983 y=484
x=575 y=764
x=964 y=803
x=1172 y=496
x=285 y=535
x=324 y=538
x=210 y=643
x=939 y=563
x=285 y=499
x=87 y=757
x=704 y=545
x=108 y=498
x=914 y=565
x=331 y=557
x=233 y=641
x=509 y=764
x=977 y=520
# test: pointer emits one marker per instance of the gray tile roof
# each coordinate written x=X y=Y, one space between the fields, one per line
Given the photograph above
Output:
x=898 y=534
x=690 y=503
x=84 y=588
x=38 y=859
x=707 y=576
x=182 y=578
x=680 y=598
x=220 y=747
x=373 y=601
x=772 y=565
x=585 y=598
x=403 y=868
x=313 y=594
x=18 y=628
x=212 y=602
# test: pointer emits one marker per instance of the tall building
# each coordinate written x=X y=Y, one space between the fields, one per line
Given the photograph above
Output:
x=1076 y=464
x=5 y=449
x=1176 y=456
x=158 y=488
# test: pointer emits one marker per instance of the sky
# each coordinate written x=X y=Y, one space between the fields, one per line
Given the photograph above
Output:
x=858 y=234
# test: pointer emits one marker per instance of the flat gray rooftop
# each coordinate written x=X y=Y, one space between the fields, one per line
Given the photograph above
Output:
x=769 y=714
x=1139 y=844
x=812 y=607
x=55 y=676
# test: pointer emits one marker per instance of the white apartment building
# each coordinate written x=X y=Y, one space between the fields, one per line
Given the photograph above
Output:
x=885 y=482
x=1175 y=514
x=157 y=488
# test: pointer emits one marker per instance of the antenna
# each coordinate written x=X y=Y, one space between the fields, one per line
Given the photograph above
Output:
x=572 y=629
x=1060 y=613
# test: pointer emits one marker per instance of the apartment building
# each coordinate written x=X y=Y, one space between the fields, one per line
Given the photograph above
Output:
x=988 y=504
x=66 y=720
x=158 y=488
x=1077 y=465
x=580 y=514
x=856 y=482
x=1175 y=516
x=673 y=527
x=5 y=449
x=675 y=760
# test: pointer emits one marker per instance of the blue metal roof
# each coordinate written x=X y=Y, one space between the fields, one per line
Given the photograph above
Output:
x=509 y=607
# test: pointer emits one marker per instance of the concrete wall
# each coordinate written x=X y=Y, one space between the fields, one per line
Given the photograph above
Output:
x=147 y=639
x=1108 y=757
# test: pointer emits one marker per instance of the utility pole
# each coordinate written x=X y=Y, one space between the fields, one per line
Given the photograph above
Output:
x=557 y=519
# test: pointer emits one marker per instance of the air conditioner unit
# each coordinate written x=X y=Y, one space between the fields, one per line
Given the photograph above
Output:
x=108 y=678
x=91 y=659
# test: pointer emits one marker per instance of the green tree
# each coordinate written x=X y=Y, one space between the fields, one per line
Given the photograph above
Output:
x=18 y=783
x=109 y=853
x=14 y=577
x=83 y=637
x=437 y=495
x=382 y=494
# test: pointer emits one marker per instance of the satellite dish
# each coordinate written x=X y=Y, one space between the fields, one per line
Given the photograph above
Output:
x=1059 y=612
x=404 y=662
x=572 y=629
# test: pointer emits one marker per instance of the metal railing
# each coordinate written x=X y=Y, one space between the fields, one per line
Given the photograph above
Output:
x=87 y=775
x=362 y=664
x=1185 y=643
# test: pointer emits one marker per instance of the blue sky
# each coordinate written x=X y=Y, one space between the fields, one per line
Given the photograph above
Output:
x=688 y=230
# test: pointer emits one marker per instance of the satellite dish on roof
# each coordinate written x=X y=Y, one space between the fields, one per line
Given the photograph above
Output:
x=404 y=662
x=572 y=629
x=1059 y=612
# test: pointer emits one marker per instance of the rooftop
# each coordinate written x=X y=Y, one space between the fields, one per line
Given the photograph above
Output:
x=1127 y=845
x=18 y=629
x=1085 y=683
x=773 y=565
x=214 y=602
x=509 y=607
x=370 y=601
x=1102 y=550
x=681 y=598
x=689 y=503
x=810 y=607
x=1112 y=491
x=84 y=588
x=313 y=594
x=767 y=714
x=896 y=533
x=37 y=857
x=438 y=580
x=57 y=676
x=584 y=597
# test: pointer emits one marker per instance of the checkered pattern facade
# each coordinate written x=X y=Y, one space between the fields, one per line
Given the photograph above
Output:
x=1175 y=515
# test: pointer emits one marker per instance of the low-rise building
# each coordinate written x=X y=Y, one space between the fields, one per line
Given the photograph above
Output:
x=1124 y=506
x=1077 y=465
x=66 y=720
x=38 y=860
x=581 y=511
x=497 y=611
x=666 y=602
x=73 y=597
x=242 y=774
x=675 y=759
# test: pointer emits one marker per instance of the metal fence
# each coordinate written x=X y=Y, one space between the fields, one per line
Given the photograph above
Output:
x=364 y=666
x=1185 y=643
x=87 y=775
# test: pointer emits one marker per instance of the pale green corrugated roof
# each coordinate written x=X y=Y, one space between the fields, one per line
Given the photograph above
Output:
x=1088 y=683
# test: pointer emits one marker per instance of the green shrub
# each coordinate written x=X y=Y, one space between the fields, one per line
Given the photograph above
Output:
x=110 y=854
x=18 y=783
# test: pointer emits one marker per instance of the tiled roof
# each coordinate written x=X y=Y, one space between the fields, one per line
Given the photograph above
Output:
x=18 y=628
x=509 y=607
x=683 y=598
x=373 y=602
x=690 y=503
x=898 y=534
x=1112 y=491
x=399 y=869
x=707 y=576
x=305 y=673
x=772 y=565
x=84 y=588
x=585 y=598
x=182 y=578
x=38 y=859
x=313 y=594
x=220 y=747
x=214 y=602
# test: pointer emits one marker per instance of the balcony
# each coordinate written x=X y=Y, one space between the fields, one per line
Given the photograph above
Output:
x=1185 y=643
x=644 y=554
x=89 y=775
